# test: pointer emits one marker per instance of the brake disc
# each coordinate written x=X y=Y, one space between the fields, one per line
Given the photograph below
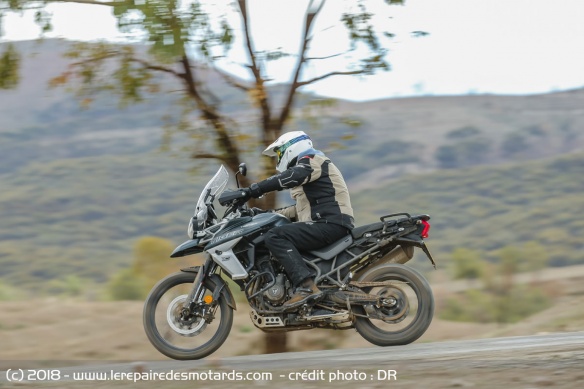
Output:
x=191 y=327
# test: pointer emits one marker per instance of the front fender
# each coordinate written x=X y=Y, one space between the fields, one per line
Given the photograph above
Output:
x=218 y=283
x=187 y=248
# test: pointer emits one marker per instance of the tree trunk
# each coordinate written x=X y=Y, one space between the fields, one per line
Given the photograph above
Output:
x=275 y=342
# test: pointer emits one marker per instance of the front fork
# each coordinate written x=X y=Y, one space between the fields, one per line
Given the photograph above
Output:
x=198 y=290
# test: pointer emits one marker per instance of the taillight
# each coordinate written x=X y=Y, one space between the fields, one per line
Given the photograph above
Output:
x=425 y=230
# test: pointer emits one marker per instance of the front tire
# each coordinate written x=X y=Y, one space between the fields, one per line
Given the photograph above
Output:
x=177 y=339
x=397 y=329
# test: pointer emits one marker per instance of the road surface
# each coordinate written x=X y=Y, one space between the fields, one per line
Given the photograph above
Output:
x=549 y=360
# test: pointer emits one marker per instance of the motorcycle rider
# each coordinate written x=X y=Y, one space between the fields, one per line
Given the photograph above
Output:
x=322 y=213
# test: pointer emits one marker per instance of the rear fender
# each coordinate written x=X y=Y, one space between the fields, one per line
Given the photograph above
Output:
x=219 y=284
x=416 y=241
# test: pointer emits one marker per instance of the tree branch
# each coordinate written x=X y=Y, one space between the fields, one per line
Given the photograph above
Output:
x=94 y=59
x=249 y=45
x=92 y=2
x=208 y=111
x=327 y=57
x=144 y=63
x=224 y=142
x=209 y=156
x=231 y=80
x=261 y=94
x=353 y=72
x=310 y=16
x=148 y=65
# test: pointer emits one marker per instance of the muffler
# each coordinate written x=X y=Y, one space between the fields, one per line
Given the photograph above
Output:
x=398 y=255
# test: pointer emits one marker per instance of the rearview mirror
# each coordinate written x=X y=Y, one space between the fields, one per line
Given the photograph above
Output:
x=243 y=169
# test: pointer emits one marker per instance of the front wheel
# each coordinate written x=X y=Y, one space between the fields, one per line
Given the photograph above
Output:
x=181 y=336
x=406 y=311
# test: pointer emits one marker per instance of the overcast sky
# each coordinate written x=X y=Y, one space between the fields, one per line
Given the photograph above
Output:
x=474 y=46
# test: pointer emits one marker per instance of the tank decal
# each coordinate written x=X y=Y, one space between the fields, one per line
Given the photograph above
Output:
x=263 y=221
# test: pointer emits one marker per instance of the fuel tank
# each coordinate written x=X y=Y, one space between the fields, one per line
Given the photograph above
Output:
x=258 y=224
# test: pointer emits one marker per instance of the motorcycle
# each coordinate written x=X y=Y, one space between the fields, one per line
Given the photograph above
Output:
x=365 y=284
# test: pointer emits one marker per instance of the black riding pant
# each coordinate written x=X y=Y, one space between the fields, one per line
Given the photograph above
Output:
x=286 y=241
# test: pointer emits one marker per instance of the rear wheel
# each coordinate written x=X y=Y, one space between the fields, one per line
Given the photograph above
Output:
x=407 y=306
x=181 y=336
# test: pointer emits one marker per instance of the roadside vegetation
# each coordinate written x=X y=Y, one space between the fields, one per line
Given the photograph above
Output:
x=85 y=239
x=493 y=293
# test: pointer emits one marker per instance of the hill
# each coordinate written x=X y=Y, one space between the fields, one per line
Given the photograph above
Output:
x=79 y=186
x=488 y=207
x=402 y=136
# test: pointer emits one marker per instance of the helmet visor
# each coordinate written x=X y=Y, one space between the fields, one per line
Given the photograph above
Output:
x=282 y=149
x=279 y=153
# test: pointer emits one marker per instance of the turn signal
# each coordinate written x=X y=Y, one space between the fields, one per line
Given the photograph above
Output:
x=208 y=299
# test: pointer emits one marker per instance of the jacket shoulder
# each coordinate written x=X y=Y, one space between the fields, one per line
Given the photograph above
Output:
x=312 y=158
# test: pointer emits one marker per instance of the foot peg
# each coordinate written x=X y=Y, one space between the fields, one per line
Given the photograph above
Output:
x=309 y=301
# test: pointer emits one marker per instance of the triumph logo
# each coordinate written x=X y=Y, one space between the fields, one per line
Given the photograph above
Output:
x=226 y=236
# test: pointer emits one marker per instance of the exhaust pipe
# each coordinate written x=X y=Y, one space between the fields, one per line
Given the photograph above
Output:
x=398 y=255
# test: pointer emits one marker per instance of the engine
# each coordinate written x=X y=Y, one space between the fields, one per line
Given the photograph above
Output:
x=277 y=292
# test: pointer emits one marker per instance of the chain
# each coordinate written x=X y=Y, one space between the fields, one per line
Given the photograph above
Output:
x=340 y=310
x=364 y=284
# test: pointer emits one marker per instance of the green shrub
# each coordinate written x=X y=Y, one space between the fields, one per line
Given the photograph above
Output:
x=483 y=306
x=68 y=286
x=125 y=285
x=9 y=293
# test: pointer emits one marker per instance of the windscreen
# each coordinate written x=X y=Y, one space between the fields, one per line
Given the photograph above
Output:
x=212 y=190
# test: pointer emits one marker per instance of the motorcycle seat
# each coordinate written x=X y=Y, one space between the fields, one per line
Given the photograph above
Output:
x=330 y=251
x=360 y=231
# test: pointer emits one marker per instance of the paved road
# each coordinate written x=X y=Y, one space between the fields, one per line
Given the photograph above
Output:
x=559 y=352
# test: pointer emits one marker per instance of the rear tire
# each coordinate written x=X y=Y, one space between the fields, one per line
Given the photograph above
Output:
x=371 y=332
x=164 y=345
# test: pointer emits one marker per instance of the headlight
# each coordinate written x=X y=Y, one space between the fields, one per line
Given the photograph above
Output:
x=197 y=223
x=191 y=229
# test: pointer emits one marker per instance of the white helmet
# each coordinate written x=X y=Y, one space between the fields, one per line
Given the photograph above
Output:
x=287 y=147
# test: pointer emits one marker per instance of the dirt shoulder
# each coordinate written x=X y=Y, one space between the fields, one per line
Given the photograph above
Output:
x=112 y=331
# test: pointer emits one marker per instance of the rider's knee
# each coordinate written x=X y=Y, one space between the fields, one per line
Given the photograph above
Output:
x=270 y=237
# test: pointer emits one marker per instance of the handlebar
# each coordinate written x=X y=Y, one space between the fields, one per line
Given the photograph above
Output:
x=230 y=197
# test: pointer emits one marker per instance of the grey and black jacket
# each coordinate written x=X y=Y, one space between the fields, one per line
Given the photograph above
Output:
x=318 y=188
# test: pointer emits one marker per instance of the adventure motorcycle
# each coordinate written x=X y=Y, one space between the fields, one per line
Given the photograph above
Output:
x=189 y=314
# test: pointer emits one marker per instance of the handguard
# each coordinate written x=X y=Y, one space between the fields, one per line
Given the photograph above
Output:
x=229 y=196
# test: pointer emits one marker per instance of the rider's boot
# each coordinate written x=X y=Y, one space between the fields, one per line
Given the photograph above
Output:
x=307 y=292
